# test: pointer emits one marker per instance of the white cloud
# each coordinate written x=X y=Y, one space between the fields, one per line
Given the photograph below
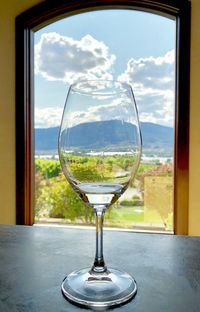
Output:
x=48 y=117
x=51 y=116
x=153 y=82
x=97 y=113
x=63 y=58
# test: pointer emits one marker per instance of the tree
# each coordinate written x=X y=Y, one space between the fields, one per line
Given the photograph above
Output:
x=49 y=168
x=87 y=172
x=63 y=202
x=58 y=198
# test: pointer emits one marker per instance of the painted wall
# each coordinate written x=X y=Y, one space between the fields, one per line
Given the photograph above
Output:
x=194 y=180
x=8 y=11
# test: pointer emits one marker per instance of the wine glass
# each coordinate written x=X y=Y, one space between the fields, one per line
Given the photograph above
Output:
x=100 y=127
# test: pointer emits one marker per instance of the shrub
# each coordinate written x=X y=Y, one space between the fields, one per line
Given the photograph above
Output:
x=131 y=202
x=62 y=202
x=127 y=203
x=49 y=168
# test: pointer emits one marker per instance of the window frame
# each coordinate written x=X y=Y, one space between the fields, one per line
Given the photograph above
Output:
x=47 y=12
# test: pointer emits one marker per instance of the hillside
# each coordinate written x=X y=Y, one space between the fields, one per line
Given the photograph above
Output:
x=156 y=138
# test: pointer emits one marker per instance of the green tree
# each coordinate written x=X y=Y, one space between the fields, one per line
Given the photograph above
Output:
x=85 y=172
x=49 y=168
x=39 y=185
x=63 y=202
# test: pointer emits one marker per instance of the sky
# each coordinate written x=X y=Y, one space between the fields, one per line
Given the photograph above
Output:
x=130 y=46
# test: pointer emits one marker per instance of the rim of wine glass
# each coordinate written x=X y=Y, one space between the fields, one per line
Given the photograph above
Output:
x=92 y=86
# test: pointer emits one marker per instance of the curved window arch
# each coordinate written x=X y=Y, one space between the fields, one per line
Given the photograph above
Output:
x=47 y=12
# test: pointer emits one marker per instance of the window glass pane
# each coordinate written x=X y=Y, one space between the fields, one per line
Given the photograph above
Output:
x=125 y=45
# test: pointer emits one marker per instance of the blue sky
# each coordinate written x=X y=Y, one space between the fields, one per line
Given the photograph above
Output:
x=131 y=46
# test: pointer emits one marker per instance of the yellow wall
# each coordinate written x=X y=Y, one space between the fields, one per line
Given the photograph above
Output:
x=194 y=181
x=9 y=9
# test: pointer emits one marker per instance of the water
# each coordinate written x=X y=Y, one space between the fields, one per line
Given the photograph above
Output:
x=144 y=159
x=100 y=193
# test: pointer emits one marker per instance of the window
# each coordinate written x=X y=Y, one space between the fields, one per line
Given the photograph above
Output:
x=27 y=28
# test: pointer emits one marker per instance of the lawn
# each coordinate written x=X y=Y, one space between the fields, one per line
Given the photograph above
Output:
x=133 y=217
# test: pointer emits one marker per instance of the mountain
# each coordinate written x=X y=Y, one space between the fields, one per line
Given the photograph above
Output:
x=156 y=138
x=46 y=139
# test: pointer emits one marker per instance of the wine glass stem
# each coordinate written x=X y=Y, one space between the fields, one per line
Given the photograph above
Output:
x=99 y=264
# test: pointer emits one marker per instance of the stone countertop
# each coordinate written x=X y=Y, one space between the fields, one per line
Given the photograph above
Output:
x=35 y=260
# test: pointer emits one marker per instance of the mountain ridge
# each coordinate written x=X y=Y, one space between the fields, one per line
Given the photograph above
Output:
x=155 y=137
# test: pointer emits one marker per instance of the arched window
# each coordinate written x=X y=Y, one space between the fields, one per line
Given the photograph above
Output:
x=28 y=23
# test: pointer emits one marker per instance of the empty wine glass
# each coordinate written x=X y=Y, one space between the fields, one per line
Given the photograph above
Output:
x=100 y=127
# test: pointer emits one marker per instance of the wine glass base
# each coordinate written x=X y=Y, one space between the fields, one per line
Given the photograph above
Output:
x=99 y=290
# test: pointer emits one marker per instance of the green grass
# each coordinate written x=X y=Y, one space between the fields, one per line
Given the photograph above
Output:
x=130 y=217
x=132 y=214
x=124 y=217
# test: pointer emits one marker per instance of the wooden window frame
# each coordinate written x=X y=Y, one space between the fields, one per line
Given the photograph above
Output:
x=47 y=12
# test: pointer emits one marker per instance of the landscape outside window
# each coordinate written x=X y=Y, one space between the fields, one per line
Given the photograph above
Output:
x=125 y=45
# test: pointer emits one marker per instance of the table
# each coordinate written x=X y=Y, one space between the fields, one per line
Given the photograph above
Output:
x=34 y=261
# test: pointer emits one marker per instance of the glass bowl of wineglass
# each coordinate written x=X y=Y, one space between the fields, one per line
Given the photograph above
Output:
x=99 y=124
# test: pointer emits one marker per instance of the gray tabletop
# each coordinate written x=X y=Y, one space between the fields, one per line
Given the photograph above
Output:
x=34 y=261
